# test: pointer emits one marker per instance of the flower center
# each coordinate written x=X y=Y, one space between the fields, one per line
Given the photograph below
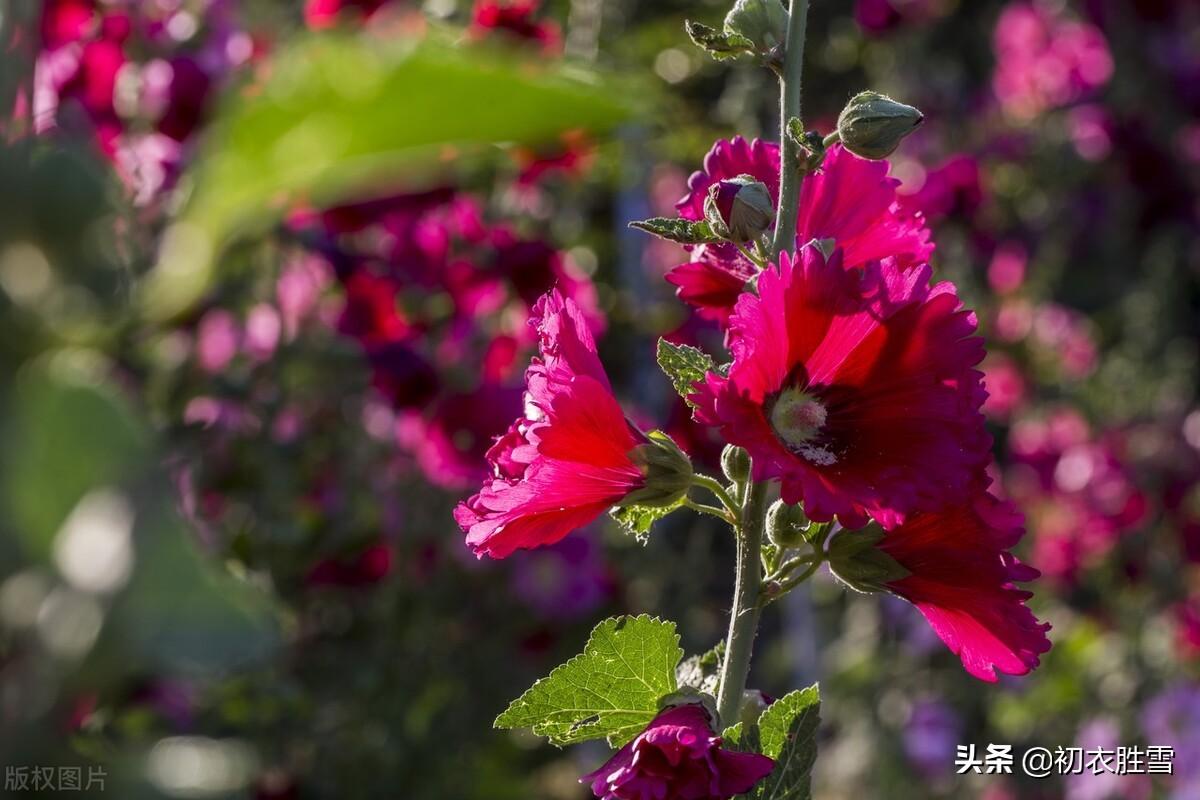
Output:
x=797 y=419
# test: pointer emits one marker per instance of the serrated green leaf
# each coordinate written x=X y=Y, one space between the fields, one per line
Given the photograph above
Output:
x=718 y=44
x=787 y=731
x=796 y=132
x=684 y=365
x=703 y=671
x=675 y=229
x=611 y=689
x=638 y=520
x=742 y=739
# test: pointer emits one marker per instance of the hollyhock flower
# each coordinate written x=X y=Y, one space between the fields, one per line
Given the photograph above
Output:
x=1045 y=60
x=516 y=18
x=849 y=199
x=855 y=389
x=569 y=458
x=961 y=579
x=678 y=756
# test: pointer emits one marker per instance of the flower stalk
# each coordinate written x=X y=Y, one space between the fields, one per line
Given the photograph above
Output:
x=789 y=109
x=743 y=617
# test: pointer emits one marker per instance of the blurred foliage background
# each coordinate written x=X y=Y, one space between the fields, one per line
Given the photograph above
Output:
x=265 y=269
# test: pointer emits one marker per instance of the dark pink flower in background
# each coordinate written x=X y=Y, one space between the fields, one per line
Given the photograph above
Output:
x=856 y=388
x=321 y=14
x=1076 y=487
x=568 y=458
x=565 y=580
x=516 y=18
x=849 y=199
x=678 y=757
x=962 y=580
x=955 y=186
x=1045 y=59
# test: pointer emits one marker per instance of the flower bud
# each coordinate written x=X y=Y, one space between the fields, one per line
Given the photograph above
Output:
x=786 y=525
x=735 y=463
x=739 y=209
x=763 y=22
x=668 y=472
x=858 y=563
x=872 y=125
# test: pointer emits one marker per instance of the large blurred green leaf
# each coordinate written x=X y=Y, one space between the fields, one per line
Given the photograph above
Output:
x=181 y=613
x=339 y=116
x=68 y=433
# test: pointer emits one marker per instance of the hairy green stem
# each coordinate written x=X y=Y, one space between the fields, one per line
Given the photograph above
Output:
x=714 y=486
x=743 y=617
x=789 y=108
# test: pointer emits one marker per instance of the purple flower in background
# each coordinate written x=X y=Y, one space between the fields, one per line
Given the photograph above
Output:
x=565 y=580
x=1103 y=733
x=1172 y=719
x=933 y=732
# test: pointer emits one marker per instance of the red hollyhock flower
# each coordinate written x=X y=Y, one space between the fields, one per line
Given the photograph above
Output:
x=855 y=388
x=850 y=200
x=567 y=460
x=678 y=756
x=961 y=580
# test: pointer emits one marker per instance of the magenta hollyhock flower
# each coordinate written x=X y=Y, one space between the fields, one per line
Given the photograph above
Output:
x=678 y=757
x=849 y=199
x=856 y=388
x=567 y=459
x=961 y=580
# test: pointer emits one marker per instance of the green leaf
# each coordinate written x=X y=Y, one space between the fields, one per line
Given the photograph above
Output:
x=787 y=731
x=612 y=689
x=675 y=229
x=68 y=433
x=347 y=116
x=637 y=521
x=703 y=671
x=742 y=739
x=718 y=44
x=684 y=365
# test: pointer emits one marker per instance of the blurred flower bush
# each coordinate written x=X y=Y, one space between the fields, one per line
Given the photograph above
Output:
x=229 y=537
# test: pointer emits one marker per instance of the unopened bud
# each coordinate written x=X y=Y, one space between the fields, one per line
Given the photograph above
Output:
x=872 y=125
x=740 y=209
x=855 y=558
x=763 y=22
x=786 y=525
x=668 y=472
x=735 y=463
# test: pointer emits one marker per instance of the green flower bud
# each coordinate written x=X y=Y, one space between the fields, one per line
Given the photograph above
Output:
x=735 y=463
x=786 y=525
x=872 y=125
x=668 y=472
x=858 y=563
x=763 y=22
